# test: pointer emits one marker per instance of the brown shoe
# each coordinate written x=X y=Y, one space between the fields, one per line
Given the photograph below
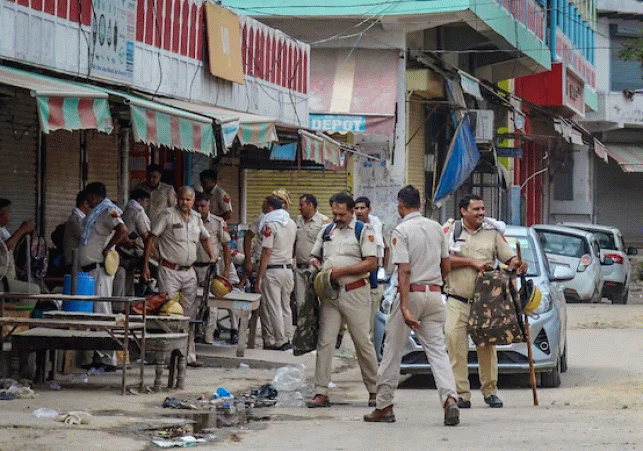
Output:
x=384 y=415
x=372 y=399
x=318 y=401
x=451 y=412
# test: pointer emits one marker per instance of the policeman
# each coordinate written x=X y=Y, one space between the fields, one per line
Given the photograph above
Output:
x=309 y=223
x=220 y=240
x=220 y=202
x=9 y=282
x=274 y=276
x=350 y=256
x=420 y=251
x=473 y=252
x=74 y=226
x=103 y=229
x=162 y=195
x=179 y=229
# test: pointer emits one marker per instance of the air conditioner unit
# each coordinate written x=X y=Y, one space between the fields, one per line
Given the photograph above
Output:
x=482 y=125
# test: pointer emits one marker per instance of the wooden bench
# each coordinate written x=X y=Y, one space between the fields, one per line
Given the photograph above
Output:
x=245 y=305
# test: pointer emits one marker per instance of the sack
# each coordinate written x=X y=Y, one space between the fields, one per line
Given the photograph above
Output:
x=305 y=338
x=153 y=304
x=494 y=319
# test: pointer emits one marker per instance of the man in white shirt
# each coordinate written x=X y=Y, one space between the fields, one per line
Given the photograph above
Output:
x=9 y=282
x=74 y=226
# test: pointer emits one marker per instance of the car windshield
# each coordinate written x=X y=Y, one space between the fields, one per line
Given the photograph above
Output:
x=563 y=244
x=526 y=252
x=605 y=240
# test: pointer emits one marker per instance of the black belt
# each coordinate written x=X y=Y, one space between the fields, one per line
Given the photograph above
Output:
x=201 y=264
x=459 y=298
x=92 y=266
x=279 y=266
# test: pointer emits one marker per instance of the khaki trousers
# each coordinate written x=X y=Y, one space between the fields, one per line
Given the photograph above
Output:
x=458 y=346
x=275 y=313
x=103 y=286
x=354 y=308
x=184 y=282
x=376 y=300
x=429 y=309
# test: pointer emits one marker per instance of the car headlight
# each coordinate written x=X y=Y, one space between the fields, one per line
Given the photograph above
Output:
x=546 y=304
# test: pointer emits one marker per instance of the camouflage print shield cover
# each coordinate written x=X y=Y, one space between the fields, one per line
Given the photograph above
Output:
x=305 y=338
x=493 y=319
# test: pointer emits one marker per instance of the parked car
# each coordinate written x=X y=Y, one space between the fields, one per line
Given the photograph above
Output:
x=578 y=250
x=548 y=325
x=616 y=276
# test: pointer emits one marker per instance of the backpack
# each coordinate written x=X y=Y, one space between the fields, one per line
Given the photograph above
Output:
x=39 y=255
x=359 y=226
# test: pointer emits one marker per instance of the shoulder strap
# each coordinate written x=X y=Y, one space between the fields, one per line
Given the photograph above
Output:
x=359 y=226
x=457 y=229
x=327 y=230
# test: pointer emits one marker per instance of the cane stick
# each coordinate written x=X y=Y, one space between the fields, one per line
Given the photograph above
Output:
x=530 y=355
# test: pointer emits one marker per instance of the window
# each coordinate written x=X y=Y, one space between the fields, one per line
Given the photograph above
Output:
x=564 y=180
x=623 y=74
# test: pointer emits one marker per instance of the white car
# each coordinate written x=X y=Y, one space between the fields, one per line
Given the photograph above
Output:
x=578 y=250
x=616 y=276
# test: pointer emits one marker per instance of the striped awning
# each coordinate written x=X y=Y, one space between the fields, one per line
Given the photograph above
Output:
x=62 y=105
x=312 y=147
x=629 y=158
x=162 y=125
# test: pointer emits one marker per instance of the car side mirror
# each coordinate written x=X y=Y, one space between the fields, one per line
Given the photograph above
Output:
x=562 y=273
x=632 y=251
x=607 y=261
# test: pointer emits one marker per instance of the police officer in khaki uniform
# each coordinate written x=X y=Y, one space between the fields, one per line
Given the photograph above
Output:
x=103 y=229
x=309 y=223
x=220 y=202
x=479 y=248
x=274 y=276
x=179 y=229
x=350 y=260
x=420 y=251
x=74 y=227
x=220 y=241
x=162 y=195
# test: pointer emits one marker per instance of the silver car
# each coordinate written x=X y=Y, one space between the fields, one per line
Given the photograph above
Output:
x=578 y=250
x=616 y=276
x=548 y=325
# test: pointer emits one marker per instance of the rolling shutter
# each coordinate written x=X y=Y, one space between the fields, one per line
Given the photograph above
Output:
x=103 y=161
x=321 y=184
x=415 y=172
x=19 y=131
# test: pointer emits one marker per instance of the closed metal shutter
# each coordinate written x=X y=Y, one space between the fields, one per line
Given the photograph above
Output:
x=103 y=161
x=321 y=184
x=619 y=199
x=415 y=159
x=19 y=129
x=62 y=177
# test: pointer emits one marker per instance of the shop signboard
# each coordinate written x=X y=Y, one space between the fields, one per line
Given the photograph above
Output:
x=113 y=38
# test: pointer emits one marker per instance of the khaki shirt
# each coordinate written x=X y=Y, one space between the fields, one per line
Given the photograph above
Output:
x=220 y=201
x=342 y=249
x=256 y=240
x=161 y=198
x=218 y=231
x=92 y=252
x=178 y=239
x=73 y=232
x=136 y=220
x=281 y=239
x=307 y=232
x=483 y=244
x=421 y=243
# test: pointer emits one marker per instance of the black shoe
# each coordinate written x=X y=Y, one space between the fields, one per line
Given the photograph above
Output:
x=493 y=401
x=234 y=337
x=338 y=343
x=463 y=403
x=285 y=347
x=270 y=347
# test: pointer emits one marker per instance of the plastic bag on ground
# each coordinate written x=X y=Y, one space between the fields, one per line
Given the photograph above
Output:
x=43 y=412
x=290 y=378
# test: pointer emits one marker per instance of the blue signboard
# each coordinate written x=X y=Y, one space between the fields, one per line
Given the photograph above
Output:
x=337 y=122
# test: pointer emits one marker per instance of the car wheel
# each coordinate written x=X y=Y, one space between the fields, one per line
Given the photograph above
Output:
x=620 y=297
x=563 y=360
x=551 y=378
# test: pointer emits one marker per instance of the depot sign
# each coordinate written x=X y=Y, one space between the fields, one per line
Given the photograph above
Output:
x=337 y=122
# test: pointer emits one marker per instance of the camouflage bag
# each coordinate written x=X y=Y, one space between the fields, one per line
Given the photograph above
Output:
x=494 y=318
x=305 y=338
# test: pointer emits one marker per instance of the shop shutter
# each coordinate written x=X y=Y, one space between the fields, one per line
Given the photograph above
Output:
x=229 y=180
x=321 y=184
x=415 y=162
x=62 y=177
x=103 y=161
x=19 y=131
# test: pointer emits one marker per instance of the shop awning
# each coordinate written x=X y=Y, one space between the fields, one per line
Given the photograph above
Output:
x=62 y=104
x=629 y=158
x=163 y=125
x=322 y=150
x=249 y=128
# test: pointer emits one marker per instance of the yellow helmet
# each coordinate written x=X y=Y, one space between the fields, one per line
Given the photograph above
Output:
x=532 y=297
x=171 y=308
x=220 y=286
x=324 y=286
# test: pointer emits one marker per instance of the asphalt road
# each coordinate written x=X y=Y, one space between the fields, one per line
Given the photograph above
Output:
x=597 y=407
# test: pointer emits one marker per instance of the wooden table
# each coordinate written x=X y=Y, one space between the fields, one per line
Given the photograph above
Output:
x=244 y=305
x=111 y=328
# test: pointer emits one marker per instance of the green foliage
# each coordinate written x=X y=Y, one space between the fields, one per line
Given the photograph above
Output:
x=633 y=50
